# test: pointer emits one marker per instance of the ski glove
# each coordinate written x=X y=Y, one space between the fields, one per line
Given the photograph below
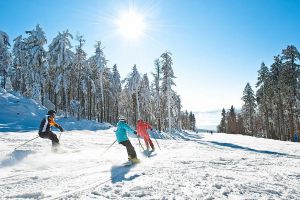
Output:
x=135 y=132
x=61 y=129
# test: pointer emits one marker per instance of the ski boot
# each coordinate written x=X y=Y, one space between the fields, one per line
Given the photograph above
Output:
x=134 y=160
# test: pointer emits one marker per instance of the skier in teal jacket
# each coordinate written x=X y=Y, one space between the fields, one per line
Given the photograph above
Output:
x=122 y=138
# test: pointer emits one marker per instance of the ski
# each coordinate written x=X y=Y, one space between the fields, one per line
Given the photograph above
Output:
x=132 y=162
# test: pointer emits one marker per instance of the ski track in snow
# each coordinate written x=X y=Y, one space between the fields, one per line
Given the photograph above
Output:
x=194 y=166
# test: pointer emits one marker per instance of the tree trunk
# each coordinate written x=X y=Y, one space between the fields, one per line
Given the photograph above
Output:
x=169 y=110
x=137 y=104
x=66 y=99
x=102 y=95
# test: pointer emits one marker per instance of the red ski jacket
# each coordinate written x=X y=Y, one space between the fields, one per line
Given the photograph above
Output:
x=142 y=129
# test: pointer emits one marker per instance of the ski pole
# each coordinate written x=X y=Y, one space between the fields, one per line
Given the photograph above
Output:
x=59 y=135
x=156 y=141
x=157 y=144
x=140 y=143
x=61 y=130
x=26 y=142
x=107 y=148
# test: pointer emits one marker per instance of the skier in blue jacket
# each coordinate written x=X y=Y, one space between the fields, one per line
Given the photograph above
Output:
x=122 y=138
x=296 y=137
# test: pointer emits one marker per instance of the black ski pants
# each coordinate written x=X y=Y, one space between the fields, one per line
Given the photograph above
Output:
x=130 y=149
x=50 y=135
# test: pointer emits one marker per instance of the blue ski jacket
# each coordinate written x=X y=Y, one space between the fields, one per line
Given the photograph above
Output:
x=296 y=137
x=122 y=127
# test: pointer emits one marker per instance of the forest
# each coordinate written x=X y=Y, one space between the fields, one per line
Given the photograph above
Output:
x=273 y=110
x=66 y=79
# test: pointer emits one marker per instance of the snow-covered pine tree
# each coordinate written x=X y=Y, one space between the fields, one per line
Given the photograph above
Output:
x=185 y=120
x=81 y=69
x=290 y=60
x=99 y=62
x=5 y=58
x=89 y=77
x=60 y=58
x=176 y=110
x=248 y=109
x=278 y=126
x=231 y=119
x=132 y=85
x=167 y=83
x=192 y=121
x=157 y=93
x=145 y=100
x=107 y=93
x=116 y=91
x=35 y=57
x=264 y=95
x=78 y=68
x=240 y=124
x=19 y=64
x=222 y=126
x=126 y=105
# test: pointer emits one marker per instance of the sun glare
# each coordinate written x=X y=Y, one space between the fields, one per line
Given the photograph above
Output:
x=131 y=25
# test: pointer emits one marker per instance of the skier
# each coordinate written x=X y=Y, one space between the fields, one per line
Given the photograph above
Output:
x=45 y=129
x=142 y=131
x=122 y=138
x=296 y=137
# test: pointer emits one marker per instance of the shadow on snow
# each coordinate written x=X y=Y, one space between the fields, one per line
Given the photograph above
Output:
x=253 y=150
x=118 y=173
x=15 y=157
x=185 y=136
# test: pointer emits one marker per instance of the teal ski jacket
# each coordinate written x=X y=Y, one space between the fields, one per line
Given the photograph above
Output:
x=122 y=127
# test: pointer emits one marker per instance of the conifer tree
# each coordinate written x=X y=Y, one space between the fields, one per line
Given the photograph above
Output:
x=145 y=99
x=167 y=82
x=35 y=58
x=77 y=71
x=5 y=58
x=232 y=123
x=264 y=94
x=290 y=57
x=278 y=128
x=192 y=121
x=157 y=92
x=117 y=88
x=60 y=58
x=248 y=109
x=19 y=64
x=132 y=87
x=98 y=63
x=222 y=126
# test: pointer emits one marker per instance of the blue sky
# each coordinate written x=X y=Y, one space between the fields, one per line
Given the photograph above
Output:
x=217 y=45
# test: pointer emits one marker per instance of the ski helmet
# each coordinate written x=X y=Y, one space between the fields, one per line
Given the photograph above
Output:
x=122 y=118
x=51 y=112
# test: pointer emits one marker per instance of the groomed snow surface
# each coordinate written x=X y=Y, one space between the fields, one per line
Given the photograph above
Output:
x=194 y=166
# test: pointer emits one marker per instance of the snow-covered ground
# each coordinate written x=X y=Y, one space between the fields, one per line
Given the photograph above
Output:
x=188 y=166
x=197 y=166
x=20 y=114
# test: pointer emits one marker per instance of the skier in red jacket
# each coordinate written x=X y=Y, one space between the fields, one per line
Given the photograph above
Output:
x=142 y=131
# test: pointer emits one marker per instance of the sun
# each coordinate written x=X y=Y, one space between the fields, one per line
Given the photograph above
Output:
x=131 y=24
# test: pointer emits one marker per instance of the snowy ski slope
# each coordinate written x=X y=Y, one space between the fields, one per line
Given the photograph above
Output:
x=188 y=166
x=198 y=166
